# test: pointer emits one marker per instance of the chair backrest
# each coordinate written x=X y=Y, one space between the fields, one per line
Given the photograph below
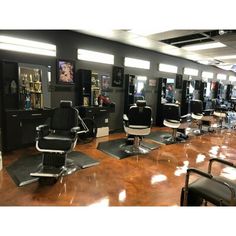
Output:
x=171 y=111
x=196 y=106
x=64 y=117
x=140 y=114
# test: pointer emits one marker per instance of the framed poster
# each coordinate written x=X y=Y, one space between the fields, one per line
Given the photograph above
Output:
x=105 y=83
x=117 y=76
x=65 y=71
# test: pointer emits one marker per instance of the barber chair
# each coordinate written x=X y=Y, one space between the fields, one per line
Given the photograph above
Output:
x=137 y=125
x=172 y=119
x=221 y=113
x=56 y=140
x=196 y=110
x=217 y=190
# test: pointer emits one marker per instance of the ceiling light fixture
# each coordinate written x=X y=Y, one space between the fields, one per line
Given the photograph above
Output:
x=137 y=63
x=94 y=56
x=190 y=71
x=207 y=75
x=27 y=46
x=168 y=68
x=204 y=46
x=232 y=78
x=221 y=76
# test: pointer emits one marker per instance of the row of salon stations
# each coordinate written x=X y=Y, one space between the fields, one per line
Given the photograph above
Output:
x=88 y=120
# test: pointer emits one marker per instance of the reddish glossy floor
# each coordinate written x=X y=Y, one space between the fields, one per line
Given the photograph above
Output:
x=154 y=179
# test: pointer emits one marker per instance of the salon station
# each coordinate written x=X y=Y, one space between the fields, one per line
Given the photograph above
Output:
x=93 y=119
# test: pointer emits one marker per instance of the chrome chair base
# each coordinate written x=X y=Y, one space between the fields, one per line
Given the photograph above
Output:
x=131 y=149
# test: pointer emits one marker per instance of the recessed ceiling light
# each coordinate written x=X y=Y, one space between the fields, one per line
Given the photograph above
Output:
x=226 y=57
x=204 y=46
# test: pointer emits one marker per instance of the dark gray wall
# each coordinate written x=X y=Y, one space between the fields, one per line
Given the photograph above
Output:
x=68 y=42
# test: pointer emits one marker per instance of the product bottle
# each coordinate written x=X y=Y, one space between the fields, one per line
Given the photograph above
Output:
x=27 y=102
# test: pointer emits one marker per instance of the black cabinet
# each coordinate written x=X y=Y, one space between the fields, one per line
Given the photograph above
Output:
x=9 y=85
x=83 y=88
x=129 y=92
x=20 y=127
x=100 y=115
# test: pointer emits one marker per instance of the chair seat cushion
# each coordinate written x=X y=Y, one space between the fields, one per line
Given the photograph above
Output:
x=212 y=191
x=197 y=116
x=56 y=142
x=172 y=123
x=219 y=114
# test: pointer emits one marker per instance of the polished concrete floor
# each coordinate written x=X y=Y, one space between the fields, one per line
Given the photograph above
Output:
x=154 y=179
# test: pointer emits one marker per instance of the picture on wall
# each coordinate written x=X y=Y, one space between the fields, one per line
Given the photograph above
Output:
x=65 y=71
x=106 y=83
x=117 y=76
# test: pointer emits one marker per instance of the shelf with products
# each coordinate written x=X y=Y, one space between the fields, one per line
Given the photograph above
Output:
x=30 y=88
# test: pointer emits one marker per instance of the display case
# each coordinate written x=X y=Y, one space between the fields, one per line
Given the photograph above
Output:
x=30 y=88
x=95 y=89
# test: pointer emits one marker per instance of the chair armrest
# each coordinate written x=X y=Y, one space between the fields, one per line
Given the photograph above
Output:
x=220 y=161
x=42 y=130
x=125 y=117
x=209 y=176
x=42 y=127
x=199 y=172
x=75 y=129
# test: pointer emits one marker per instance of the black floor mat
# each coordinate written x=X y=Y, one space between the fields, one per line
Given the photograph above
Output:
x=159 y=136
x=20 y=170
x=115 y=148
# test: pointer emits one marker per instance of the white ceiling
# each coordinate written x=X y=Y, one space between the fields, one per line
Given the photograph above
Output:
x=152 y=40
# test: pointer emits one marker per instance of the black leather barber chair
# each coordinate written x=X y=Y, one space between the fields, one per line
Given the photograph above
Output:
x=196 y=110
x=137 y=124
x=56 y=140
x=172 y=119
x=217 y=190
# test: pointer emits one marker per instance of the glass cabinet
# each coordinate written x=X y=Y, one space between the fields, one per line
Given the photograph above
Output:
x=30 y=88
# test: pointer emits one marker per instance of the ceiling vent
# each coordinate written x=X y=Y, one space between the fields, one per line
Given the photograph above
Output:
x=191 y=39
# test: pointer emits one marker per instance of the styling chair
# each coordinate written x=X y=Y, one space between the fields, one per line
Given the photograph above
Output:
x=172 y=119
x=56 y=140
x=217 y=190
x=136 y=125
x=196 y=110
x=220 y=113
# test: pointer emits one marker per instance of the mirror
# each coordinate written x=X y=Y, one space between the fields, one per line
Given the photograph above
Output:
x=139 y=87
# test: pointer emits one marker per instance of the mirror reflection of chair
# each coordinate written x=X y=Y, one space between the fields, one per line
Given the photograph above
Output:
x=217 y=190
x=221 y=113
x=172 y=119
x=138 y=124
x=196 y=110
x=56 y=140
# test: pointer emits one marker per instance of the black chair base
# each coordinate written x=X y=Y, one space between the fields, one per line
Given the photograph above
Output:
x=55 y=165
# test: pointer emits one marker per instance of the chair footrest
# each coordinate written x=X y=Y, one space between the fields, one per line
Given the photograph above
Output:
x=48 y=171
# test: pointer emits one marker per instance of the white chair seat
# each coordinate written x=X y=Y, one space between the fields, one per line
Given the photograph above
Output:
x=219 y=114
x=197 y=117
x=172 y=123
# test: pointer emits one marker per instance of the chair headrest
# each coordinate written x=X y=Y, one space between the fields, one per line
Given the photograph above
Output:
x=64 y=103
x=141 y=103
